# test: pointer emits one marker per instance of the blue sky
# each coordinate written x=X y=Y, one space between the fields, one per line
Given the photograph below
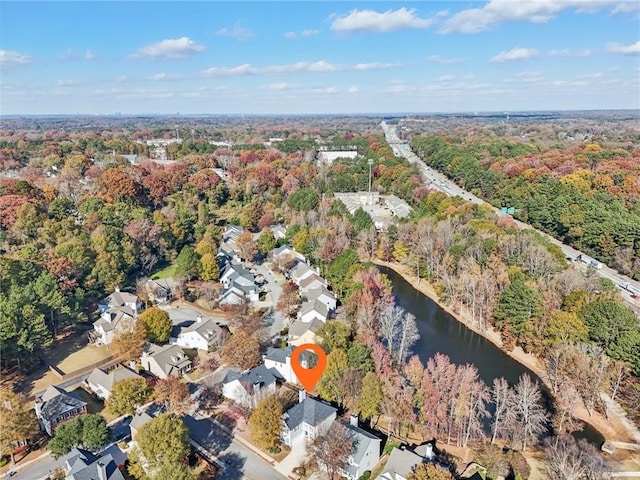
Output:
x=318 y=57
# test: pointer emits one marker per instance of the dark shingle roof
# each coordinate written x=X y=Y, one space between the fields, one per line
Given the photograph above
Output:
x=278 y=354
x=90 y=471
x=309 y=411
x=57 y=401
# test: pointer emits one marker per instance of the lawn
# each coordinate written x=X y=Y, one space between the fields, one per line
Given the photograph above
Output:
x=167 y=272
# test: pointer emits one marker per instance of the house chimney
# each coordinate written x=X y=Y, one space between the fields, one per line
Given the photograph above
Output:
x=102 y=471
x=429 y=452
x=117 y=289
x=302 y=394
x=353 y=420
x=199 y=318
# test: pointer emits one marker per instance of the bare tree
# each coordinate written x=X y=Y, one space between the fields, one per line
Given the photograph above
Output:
x=564 y=420
x=501 y=395
x=408 y=335
x=567 y=460
x=390 y=321
x=530 y=414
x=333 y=449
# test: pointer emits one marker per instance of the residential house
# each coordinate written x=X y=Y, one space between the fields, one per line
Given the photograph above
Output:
x=248 y=388
x=313 y=310
x=304 y=332
x=300 y=272
x=240 y=281
x=306 y=420
x=323 y=295
x=165 y=361
x=402 y=460
x=101 y=382
x=279 y=359
x=199 y=333
x=161 y=290
x=120 y=299
x=279 y=232
x=398 y=207
x=112 y=322
x=285 y=257
x=137 y=421
x=83 y=465
x=366 y=450
x=56 y=406
x=311 y=282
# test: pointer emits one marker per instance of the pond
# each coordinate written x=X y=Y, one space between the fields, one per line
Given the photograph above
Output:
x=441 y=332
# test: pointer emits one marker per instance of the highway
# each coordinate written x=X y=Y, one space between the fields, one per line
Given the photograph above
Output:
x=447 y=186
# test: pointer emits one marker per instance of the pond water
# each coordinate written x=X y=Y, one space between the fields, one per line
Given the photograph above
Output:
x=441 y=332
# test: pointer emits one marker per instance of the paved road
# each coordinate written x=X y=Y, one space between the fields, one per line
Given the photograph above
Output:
x=443 y=184
x=275 y=290
x=239 y=462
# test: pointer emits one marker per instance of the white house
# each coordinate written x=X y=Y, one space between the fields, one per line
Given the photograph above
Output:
x=161 y=290
x=120 y=299
x=323 y=295
x=199 y=333
x=312 y=310
x=101 y=382
x=306 y=420
x=402 y=460
x=165 y=361
x=248 y=388
x=366 y=451
x=300 y=272
x=113 y=321
x=311 y=282
x=279 y=232
x=304 y=332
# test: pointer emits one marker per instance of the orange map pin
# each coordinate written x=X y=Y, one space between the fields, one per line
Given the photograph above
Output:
x=308 y=377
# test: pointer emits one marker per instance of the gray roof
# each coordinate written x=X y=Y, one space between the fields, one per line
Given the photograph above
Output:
x=278 y=354
x=113 y=316
x=78 y=458
x=118 y=299
x=314 y=293
x=57 y=401
x=401 y=462
x=399 y=207
x=90 y=471
x=139 y=419
x=309 y=411
x=281 y=250
x=297 y=329
x=116 y=453
x=259 y=375
x=361 y=441
x=316 y=306
x=310 y=280
x=207 y=329
x=107 y=380
x=168 y=357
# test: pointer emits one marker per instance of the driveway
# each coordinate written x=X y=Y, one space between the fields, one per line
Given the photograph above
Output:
x=275 y=289
x=239 y=462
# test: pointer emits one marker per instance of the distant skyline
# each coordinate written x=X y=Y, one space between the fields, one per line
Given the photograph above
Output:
x=318 y=57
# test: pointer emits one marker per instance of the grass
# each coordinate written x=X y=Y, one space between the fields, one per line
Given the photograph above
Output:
x=167 y=272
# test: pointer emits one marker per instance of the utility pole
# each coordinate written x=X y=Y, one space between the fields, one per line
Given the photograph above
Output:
x=370 y=162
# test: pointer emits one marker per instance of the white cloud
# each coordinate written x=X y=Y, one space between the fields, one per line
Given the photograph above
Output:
x=172 y=48
x=444 y=60
x=290 y=35
x=565 y=52
x=304 y=33
x=591 y=75
x=280 y=86
x=376 y=22
x=8 y=58
x=353 y=89
x=474 y=20
x=633 y=49
x=67 y=83
x=517 y=53
x=237 y=32
x=162 y=76
x=319 y=66
x=121 y=79
x=89 y=55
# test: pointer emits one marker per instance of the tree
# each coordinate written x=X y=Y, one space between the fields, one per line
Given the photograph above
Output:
x=242 y=350
x=289 y=298
x=173 y=393
x=127 y=395
x=501 y=395
x=530 y=414
x=567 y=459
x=359 y=357
x=332 y=450
x=157 y=324
x=164 y=440
x=266 y=242
x=17 y=420
x=129 y=343
x=174 y=471
x=246 y=245
x=188 y=263
x=266 y=422
x=329 y=386
x=209 y=268
x=335 y=334
x=429 y=471
x=371 y=397
x=210 y=397
x=88 y=431
x=517 y=307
